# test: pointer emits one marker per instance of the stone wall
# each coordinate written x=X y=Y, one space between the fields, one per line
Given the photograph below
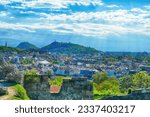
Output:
x=72 y=89
x=135 y=95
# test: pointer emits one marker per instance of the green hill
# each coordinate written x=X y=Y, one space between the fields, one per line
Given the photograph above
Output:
x=68 y=48
x=27 y=46
x=10 y=49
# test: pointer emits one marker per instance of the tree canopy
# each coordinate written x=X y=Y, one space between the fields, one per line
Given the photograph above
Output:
x=104 y=85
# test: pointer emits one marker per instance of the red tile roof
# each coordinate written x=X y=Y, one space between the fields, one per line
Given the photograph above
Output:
x=55 y=89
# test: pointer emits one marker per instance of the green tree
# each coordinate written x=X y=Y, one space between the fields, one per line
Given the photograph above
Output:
x=126 y=82
x=109 y=87
x=104 y=85
x=49 y=73
x=31 y=76
x=26 y=61
x=32 y=72
x=99 y=77
x=141 y=80
x=10 y=73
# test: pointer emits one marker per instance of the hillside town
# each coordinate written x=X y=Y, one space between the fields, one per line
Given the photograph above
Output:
x=74 y=65
x=41 y=73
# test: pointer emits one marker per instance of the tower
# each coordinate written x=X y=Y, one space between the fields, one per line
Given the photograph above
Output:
x=5 y=44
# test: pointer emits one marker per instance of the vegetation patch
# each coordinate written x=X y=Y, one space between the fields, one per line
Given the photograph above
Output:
x=104 y=86
x=133 y=82
x=21 y=93
x=31 y=76
x=10 y=49
x=58 y=80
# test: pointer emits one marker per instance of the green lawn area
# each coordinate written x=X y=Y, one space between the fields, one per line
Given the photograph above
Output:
x=64 y=77
x=20 y=93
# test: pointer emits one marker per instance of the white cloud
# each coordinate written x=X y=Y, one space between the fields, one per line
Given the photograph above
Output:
x=135 y=17
x=56 y=4
x=100 y=23
x=85 y=29
x=11 y=26
x=112 y=6
x=3 y=13
x=147 y=6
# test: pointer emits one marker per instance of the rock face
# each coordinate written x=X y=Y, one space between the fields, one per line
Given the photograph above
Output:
x=135 y=95
x=72 y=89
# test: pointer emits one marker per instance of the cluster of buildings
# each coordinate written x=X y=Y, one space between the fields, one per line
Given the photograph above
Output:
x=56 y=64
x=75 y=66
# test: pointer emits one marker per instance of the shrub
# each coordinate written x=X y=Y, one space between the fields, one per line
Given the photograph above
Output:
x=129 y=91
x=57 y=81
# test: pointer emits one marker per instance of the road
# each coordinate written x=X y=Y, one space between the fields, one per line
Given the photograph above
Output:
x=10 y=89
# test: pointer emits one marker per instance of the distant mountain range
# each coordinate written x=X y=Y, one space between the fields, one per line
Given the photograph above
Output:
x=27 y=46
x=59 y=47
x=66 y=48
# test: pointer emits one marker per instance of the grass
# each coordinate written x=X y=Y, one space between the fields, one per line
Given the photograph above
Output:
x=21 y=93
x=64 y=77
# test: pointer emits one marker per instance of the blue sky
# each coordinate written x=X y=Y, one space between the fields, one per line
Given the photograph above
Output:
x=107 y=25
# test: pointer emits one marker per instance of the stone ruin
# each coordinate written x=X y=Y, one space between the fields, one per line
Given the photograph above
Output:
x=72 y=89
x=143 y=94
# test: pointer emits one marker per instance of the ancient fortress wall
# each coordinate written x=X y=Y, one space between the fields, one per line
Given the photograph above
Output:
x=72 y=89
x=135 y=95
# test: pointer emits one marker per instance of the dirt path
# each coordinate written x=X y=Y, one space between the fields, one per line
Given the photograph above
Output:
x=11 y=93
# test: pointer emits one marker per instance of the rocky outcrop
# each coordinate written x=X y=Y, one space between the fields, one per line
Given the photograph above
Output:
x=72 y=89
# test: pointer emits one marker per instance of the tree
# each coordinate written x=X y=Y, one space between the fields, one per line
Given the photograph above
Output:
x=32 y=72
x=10 y=73
x=141 y=80
x=49 y=73
x=109 y=87
x=99 y=77
x=31 y=76
x=126 y=82
x=16 y=77
x=104 y=85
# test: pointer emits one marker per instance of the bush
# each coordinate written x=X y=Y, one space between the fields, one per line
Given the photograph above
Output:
x=31 y=76
x=129 y=91
x=10 y=73
x=103 y=85
x=99 y=77
x=57 y=81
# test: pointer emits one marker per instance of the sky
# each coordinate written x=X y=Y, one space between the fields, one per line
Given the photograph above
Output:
x=107 y=25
